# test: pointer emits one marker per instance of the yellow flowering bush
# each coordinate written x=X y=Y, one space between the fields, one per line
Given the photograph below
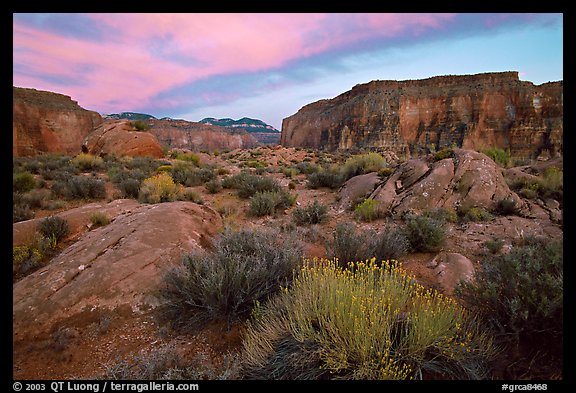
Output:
x=159 y=188
x=366 y=321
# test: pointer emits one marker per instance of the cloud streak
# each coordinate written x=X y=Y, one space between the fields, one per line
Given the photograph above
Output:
x=116 y=62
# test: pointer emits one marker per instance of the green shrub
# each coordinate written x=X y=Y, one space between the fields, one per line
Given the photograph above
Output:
x=442 y=214
x=520 y=297
x=244 y=267
x=248 y=185
x=369 y=321
x=158 y=189
x=130 y=188
x=314 y=213
x=363 y=163
x=88 y=162
x=140 y=125
x=21 y=212
x=192 y=196
x=494 y=245
x=500 y=156
x=213 y=186
x=474 y=214
x=270 y=202
x=325 y=178
x=99 y=219
x=368 y=210
x=425 y=234
x=54 y=227
x=80 y=187
x=446 y=152
x=191 y=157
x=36 y=198
x=552 y=184
x=23 y=182
x=349 y=245
x=307 y=168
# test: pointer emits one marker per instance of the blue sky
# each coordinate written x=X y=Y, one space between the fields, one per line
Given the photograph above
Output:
x=266 y=66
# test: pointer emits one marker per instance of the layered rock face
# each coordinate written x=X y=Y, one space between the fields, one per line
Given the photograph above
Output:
x=46 y=122
x=470 y=111
x=195 y=136
x=121 y=138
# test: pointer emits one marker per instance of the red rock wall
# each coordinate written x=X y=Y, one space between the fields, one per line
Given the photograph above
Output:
x=45 y=122
x=472 y=111
x=199 y=136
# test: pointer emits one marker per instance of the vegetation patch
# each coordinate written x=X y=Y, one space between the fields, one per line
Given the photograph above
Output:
x=367 y=321
x=314 y=213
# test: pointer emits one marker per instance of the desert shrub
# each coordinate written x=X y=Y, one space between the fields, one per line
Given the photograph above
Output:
x=442 y=214
x=165 y=363
x=88 y=162
x=54 y=227
x=24 y=259
x=363 y=163
x=158 y=189
x=307 y=168
x=140 y=125
x=474 y=214
x=369 y=321
x=270 y=202
x=255 y=164
x=313 y=213
x=506 y=206
x=243 y=268
x=248 y=185
x=191 y=157
x=192 y=196
x=23 y=182
x=186 y=174
x=21 y=212
x=385 y=172
x=494 y=245
x=520 y=298
x=36 y=199
x=130 y=188
x=325 y=178
x=350 y=245
x=289 y=172
x=99 y=219
x=213 y=186
x=552 y=184
x=425 y=234
x=368 y=210
x=80 y=187
x=164 y=168
x=500 y=156
x=446 y=152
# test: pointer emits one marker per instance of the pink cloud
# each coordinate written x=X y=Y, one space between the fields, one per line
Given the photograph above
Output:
x=142 y=55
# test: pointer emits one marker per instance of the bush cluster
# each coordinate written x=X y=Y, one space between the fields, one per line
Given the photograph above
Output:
x=520 y=298
x=243 y=268
x=363 y=163
x=367 y=321
x=270 y=202
x=159 y=188
x=425 y=234
x=88 y=162
x=501 y=157
x=80 y=187
x=313 y=213
x=351 y=245
x=368 y=210
x=247 y=184
x=325 y=178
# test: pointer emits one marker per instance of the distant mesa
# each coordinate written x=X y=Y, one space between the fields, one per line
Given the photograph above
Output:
x=263 y=132
x=128 y=116
x=416 y=116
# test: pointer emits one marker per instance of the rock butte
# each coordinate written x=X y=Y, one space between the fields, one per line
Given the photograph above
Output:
x=46 y=122
x=470 y=111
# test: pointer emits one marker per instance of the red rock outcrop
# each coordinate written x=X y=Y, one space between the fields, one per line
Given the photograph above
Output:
x=182 y=134
x=46 y=122
x=116 y=268
x=471 y=111
x=121 y=138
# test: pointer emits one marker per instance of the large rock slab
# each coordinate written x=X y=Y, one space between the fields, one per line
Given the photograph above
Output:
x=117 y=267
x=356 y=188
x=450 y=268
x=120 y=138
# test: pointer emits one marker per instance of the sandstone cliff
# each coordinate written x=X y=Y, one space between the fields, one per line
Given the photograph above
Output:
x=471 y=111
x=46 y=122
x=195 y=136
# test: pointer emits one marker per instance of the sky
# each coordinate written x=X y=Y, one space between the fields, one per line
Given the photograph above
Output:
x=266 y=66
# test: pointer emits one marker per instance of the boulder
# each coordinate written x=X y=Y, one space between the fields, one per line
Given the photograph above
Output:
x=121 y=138
x=356 y=188
x=450 y=268
x=116 y=268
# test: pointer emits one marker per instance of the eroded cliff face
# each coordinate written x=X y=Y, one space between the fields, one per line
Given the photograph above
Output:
x=407 y=117
x=46 y=122
x=198 y=136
